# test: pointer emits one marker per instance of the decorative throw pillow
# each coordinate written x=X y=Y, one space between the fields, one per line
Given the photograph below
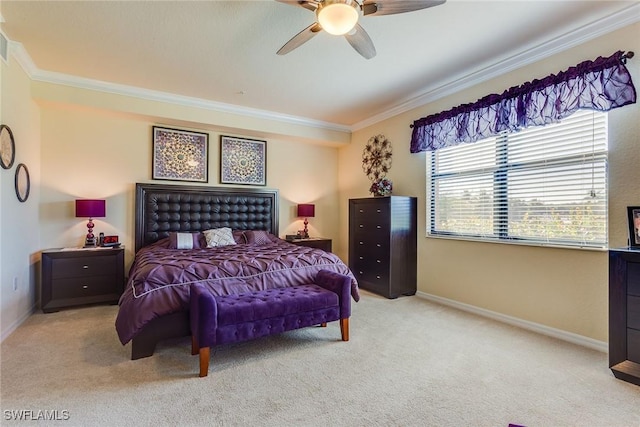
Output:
x=219 y=237
x=258 y=237
x=185 y=240
x=239 y=237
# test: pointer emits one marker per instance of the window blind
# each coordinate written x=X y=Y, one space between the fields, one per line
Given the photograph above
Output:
x=543 y=185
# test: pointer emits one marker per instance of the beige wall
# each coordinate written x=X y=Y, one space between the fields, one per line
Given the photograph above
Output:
x=92 y=153
x=2 y=180
x=80 y=143
x=19 y=229
x=564 y=289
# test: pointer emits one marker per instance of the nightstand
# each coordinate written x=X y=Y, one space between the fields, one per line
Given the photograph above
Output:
x=314 y=242
x=81 y=276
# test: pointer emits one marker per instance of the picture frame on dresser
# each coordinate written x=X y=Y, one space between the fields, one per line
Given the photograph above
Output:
x=633 y=220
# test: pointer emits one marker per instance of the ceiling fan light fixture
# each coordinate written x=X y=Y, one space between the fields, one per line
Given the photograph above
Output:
x=338 y=17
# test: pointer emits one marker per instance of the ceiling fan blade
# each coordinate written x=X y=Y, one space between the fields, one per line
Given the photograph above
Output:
x=310 y=4
x=361 y=42
x=301 y=38
x=390 y=7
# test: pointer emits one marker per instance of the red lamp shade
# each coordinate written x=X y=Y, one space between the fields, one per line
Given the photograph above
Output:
x=307 y=210
x=90 y=208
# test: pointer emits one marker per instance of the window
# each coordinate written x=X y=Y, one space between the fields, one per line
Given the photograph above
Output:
x=543 y=185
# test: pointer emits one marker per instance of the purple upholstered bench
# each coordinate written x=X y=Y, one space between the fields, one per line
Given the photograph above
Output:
x=231 y=318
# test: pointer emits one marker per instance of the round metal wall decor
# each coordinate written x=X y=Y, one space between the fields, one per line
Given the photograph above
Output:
x=7 y=147
x=376 y=157
x=22 y=182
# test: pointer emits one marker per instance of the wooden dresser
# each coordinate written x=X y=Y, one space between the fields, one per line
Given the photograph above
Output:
x=624 y=314
x=314 y=242
x=78 y=277
x=382 y=244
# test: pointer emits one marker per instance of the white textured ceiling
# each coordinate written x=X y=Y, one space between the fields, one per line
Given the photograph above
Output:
x=225 y=51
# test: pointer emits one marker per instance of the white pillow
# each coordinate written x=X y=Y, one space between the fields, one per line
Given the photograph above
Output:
x=219 y=237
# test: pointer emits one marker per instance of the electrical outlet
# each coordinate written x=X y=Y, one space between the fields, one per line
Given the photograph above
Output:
x=15 y=283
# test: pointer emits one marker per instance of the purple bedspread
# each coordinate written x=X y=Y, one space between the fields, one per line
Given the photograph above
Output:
x=159 y=278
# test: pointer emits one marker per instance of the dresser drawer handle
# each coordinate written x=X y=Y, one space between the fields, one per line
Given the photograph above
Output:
x=361 y=210
x=378 y=245
x=378 y=261
x=377 y=277
x=378 y=210
x=85 y=267
x=377 y=226
x=361 y=257
x=360 y=272
x=360 y=243
x=360 y=225
x=85 y=287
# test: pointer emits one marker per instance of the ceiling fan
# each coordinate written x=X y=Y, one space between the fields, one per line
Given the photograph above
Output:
x=340 y=17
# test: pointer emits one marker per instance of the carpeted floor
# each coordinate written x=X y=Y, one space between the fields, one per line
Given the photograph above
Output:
x=410 y=362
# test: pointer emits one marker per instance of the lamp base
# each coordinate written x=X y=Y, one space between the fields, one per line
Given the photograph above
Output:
x=305 y=232
x=90 y=240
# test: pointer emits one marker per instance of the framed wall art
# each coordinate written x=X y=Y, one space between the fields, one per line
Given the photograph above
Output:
x=22 y=183
x=7 y=147
x=633 y=218
x=180 y=155
x=243 y=161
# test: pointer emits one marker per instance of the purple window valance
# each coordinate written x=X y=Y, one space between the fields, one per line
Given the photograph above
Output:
x=601 y=85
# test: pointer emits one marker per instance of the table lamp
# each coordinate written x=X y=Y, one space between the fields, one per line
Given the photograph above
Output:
x=90 y=208
x=306 y=211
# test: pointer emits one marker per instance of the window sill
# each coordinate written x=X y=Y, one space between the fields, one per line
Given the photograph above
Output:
x=515 y=242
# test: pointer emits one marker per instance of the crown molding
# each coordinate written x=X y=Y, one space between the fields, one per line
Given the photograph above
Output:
x=22 y=57
x=621 y=19
x=627 y=16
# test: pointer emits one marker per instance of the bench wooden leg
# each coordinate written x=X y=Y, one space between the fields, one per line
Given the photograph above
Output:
x=195 y=348
x=204 y=361
x=344 y=329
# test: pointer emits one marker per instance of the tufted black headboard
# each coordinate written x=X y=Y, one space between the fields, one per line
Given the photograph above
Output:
x=161 y=208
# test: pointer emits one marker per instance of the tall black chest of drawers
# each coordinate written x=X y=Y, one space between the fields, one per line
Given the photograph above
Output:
x=624 y=314
x=382 y=244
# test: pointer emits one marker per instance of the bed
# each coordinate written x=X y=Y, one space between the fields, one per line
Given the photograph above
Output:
x=154 y=305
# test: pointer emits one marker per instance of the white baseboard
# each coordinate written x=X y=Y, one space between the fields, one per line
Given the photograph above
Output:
x=524 y=324
x=8 y=331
